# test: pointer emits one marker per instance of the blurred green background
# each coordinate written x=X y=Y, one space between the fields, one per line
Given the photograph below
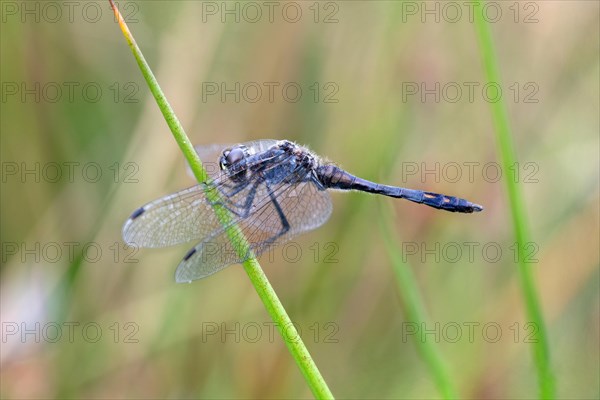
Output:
x=85 y=317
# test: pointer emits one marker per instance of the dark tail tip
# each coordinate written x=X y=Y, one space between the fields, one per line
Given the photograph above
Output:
x=449 y=203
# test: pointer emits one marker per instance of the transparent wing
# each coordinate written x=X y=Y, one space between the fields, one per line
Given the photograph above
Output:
x=210 y=154
x=186 y=215
x=173 y=219
x=303 y=206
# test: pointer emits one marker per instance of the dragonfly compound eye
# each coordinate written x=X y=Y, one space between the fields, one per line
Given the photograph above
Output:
x=229 y=159
x=234 y=156
x=230 y=156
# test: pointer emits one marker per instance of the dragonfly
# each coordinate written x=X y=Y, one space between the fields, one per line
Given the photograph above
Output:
x=273 y=190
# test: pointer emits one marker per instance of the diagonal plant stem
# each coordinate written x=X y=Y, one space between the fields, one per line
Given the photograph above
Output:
x=414 y=308
x=506 y=150
x=258 y=278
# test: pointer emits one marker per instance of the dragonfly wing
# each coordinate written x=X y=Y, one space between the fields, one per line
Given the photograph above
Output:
x=173 y=219
x=209 y=256
x=304 y=208
x=187 y=215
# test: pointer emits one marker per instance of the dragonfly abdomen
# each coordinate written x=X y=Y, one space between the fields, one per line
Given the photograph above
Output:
x=336 y=178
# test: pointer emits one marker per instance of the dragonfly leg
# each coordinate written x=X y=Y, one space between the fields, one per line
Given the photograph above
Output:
x=285 y=225
x=238 y=209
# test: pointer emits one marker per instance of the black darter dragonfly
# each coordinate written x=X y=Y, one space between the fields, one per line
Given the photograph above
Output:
x=275 y=190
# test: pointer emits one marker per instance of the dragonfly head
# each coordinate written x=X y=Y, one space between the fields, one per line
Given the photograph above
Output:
x=229 y=162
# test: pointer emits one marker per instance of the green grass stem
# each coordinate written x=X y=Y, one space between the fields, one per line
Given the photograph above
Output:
x=258 y=278
x=507 y=155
